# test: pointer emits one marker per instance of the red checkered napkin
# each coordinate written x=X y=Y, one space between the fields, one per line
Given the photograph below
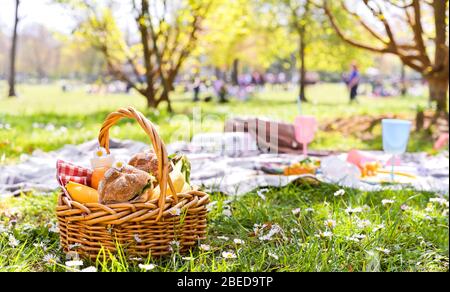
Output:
x=66 y=172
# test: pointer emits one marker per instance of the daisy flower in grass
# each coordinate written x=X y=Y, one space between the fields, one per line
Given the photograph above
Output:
x=272 y=255
x=261 y=194
x=13 y=242
x=274 y=229
x=205 y=247
x=330 y=223
x=387 y=202
x=90 y=269
x=188 y=258
x=229 y=255
x=309 y=210
x=296 y=211
x=441 y=201
x=325 y=234
x=362 y=224
x=339 y=193
x=147 y=267
x=50 y=259
x=76 y=263
x=383 y=250
x=356 y=237
x=226 y=212
x=351 y=211
x=53 y=228
x=223 y=238
x=238 y=241
x=378 y=227
x=174 y=244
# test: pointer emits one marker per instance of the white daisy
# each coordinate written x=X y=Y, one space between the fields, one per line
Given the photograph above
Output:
x=387 y=202
x=440 y=201
x=205 y=247
x=229 y=255
x=50 y=259
x=383 y=250
x=274 y=229
x=13 y=242
x=76 y=263
x=53 y=228
x=175 y=211
x=309 y=210
x=118 y=165
x=100 y=152
x=261 y=194
x=137 y=238
x=350 y=210
x=188 y=258
x=238 y=241
x=174 y=244
x=148 y=267
x=339 y=193
x=273 y=255
x=325 y=234
x=362 y=224
x=227 y=212
x=296 y=211
x=330 y=223
x=90 y=269
x=223 y=238
x=378 y=227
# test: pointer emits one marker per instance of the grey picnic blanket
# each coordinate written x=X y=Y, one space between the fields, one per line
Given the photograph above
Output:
x=215 y=172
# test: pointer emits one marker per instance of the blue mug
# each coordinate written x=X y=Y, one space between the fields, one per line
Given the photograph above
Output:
x=395 y=135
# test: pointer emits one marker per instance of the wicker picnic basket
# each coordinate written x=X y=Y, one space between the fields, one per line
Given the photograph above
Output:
x=140 y=228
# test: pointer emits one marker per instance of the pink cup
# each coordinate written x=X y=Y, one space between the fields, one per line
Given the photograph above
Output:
x=305 y=128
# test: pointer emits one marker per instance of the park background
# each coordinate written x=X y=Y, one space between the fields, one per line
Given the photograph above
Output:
x=64 y=65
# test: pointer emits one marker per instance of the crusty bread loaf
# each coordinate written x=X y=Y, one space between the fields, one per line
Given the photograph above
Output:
x=145 y=161
x=123 y=185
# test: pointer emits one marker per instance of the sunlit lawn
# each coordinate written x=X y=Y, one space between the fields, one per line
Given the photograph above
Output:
x=44 y=117
x=409 y=233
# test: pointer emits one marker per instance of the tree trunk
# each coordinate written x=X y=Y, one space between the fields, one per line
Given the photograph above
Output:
x=235 y=72
x=403 y=88
x=438 y=89
x=12 y=68
x=302 y=80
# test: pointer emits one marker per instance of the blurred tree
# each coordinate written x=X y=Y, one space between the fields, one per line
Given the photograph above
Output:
x=318 y=46
x=168 y=31
x=12 y=67
x=39 y=52
x=413 y=30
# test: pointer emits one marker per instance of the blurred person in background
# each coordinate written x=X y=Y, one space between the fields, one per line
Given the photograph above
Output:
x=352 y=81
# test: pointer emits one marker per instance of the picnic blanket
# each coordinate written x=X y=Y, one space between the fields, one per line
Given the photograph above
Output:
x=214 y=171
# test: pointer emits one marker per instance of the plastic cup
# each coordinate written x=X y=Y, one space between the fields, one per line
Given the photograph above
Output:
x=395 y=138
x=305 y=129
x=395 y=135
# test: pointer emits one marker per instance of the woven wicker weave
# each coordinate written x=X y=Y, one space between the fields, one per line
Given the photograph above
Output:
x=140 y=228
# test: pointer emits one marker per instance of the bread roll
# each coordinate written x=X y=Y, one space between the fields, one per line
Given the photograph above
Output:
x=125 y=184
x=145 y=161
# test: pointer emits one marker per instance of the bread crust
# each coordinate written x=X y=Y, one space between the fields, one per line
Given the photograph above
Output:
x=124 y=185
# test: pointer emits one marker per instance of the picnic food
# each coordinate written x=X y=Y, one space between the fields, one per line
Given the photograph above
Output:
x=145 y=161
x=179 y=175
x=101 y=162
x=370 y=168
x=306 y=166
x=124 y=184
x=81 y=193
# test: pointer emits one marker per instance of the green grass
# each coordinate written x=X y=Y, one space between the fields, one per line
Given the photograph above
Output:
x=75 y=117
x=413 y=239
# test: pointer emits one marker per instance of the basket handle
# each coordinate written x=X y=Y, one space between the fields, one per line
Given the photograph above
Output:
x=158 y=147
